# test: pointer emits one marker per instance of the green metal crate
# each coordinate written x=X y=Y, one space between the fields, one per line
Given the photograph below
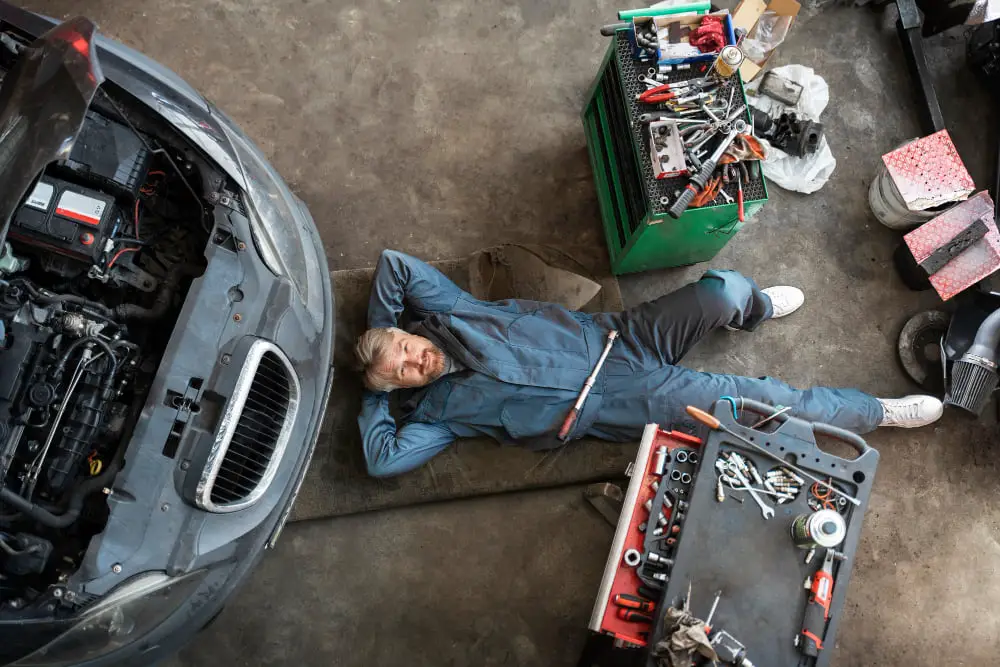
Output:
x=639 y=233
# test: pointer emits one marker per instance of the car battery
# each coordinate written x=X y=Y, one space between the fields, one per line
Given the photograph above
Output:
x=66 y=218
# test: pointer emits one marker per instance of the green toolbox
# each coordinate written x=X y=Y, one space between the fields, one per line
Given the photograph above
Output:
x=634 y=203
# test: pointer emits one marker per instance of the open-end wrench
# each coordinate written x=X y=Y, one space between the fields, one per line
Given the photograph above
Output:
x=766 y=510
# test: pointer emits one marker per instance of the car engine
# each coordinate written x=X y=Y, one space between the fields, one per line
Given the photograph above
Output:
x=92 y=274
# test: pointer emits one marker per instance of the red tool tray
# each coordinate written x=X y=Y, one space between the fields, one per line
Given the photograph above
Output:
x=620 y=578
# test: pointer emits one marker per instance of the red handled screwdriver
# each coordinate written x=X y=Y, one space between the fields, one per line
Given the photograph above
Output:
x=633 y=616
x=634 y=602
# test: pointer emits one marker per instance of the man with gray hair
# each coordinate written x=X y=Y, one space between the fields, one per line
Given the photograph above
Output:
x=513 y=369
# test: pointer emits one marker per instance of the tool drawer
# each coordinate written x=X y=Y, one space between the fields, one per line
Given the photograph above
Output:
x=640 y=531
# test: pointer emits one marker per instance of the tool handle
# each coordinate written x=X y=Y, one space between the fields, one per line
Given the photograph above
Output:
x=633 y=602
x=855 y=441
x=702 y=416
x=682 y=202
x=610 y=29
x=567 y=424
x=739 y=202
x=813 y=627
x=633 y=616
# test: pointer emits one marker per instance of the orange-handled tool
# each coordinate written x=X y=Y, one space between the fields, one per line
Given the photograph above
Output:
x=714 y=424
x=633 y=616
x=567 y=424
x=705 y=418
x=634 y=602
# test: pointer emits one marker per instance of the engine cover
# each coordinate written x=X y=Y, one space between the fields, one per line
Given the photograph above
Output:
x=66 y=218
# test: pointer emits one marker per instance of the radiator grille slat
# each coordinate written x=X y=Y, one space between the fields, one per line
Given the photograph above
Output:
x=259 y=435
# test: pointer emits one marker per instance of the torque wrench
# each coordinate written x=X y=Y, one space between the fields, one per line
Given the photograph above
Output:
x=587 y=386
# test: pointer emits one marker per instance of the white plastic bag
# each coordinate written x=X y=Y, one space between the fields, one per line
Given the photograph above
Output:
x=801 y=174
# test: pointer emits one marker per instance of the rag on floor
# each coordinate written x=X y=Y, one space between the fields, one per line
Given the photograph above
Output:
x=683 y=637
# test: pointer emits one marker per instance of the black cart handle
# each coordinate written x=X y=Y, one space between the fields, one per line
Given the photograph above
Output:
x=853 y=439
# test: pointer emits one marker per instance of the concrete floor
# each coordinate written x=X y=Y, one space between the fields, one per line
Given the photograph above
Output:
x=439 y=127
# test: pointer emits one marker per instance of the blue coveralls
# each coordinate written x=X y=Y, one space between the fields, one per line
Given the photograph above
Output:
x=526 y=362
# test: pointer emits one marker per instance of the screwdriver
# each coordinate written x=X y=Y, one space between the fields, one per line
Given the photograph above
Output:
x=818 y=606
x=633 y=616
x=739 y=196
x=634 y=602
x=716 y=425
x=711 y=613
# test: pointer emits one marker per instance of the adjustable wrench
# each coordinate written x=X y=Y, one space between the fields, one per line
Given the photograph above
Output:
x=766 y=510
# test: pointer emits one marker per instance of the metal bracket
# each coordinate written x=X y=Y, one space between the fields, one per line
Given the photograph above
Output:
x=908 y=29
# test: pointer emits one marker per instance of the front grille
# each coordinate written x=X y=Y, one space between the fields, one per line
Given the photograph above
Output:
x=253 y=433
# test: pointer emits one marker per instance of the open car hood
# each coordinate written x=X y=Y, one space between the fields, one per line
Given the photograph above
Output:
x=43 y=101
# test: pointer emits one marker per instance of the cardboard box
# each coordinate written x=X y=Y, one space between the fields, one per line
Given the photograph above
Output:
x=745 y=17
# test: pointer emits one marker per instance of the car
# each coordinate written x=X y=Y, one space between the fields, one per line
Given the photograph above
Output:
x=166 y=319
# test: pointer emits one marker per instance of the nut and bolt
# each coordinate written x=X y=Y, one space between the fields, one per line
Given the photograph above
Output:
x=226 y=358
x=237 y=317
x=117 y=568
x=654 y=557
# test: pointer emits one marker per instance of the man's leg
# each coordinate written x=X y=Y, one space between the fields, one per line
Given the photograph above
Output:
x=662 y=331
x=850 y=409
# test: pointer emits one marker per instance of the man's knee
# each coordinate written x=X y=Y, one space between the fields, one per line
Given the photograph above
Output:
x=726 y=295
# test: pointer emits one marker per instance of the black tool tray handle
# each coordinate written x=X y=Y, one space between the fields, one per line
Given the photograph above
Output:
x=763 y=409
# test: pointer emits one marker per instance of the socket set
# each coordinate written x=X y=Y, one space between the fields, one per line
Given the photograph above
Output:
x=649 y=528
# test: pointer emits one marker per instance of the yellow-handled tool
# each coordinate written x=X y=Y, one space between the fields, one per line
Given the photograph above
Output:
x=716 y=425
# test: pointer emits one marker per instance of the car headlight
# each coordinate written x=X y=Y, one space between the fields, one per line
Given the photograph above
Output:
x=279 y=224
x=125 y=616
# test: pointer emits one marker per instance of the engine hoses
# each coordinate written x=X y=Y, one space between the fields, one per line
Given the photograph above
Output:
x=60 y=366
x=44 y=296
x=80 y=493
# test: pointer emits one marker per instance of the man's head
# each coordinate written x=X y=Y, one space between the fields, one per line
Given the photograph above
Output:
x=394 y=359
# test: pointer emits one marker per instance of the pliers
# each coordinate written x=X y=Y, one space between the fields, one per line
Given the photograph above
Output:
x=708 y=193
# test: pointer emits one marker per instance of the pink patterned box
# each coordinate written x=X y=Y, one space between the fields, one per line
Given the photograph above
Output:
x=978 y=261
x=928 y=172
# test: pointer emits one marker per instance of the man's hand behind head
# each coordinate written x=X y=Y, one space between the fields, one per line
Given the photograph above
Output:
x=393 y=359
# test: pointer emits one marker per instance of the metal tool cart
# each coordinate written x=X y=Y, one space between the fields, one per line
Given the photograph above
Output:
x=634 y=203
x=733 y=558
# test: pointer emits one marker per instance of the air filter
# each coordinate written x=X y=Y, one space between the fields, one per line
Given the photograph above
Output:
x=973 y=380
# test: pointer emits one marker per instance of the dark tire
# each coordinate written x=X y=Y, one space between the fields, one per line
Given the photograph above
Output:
x=919 y=349
x=909 y=271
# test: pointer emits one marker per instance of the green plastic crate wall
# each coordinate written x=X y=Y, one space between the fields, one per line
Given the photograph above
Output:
x=639 y=233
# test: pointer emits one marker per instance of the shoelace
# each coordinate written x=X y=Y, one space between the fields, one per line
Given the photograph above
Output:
x=901 y=413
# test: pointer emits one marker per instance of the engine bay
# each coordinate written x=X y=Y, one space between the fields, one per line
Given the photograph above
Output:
x=97 y=261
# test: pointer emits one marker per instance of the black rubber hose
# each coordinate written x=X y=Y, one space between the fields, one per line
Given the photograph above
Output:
x=133 y=311
x=987 y=338
x=38 y=295
x=72 y=513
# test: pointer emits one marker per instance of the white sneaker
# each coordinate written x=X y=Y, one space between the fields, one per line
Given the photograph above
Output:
x=911 y=411
x=784 y=299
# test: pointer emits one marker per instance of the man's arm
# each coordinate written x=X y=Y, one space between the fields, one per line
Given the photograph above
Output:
x=401 y=280
x=389 y=452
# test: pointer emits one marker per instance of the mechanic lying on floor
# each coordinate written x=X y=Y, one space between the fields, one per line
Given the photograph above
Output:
x=513 y=369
